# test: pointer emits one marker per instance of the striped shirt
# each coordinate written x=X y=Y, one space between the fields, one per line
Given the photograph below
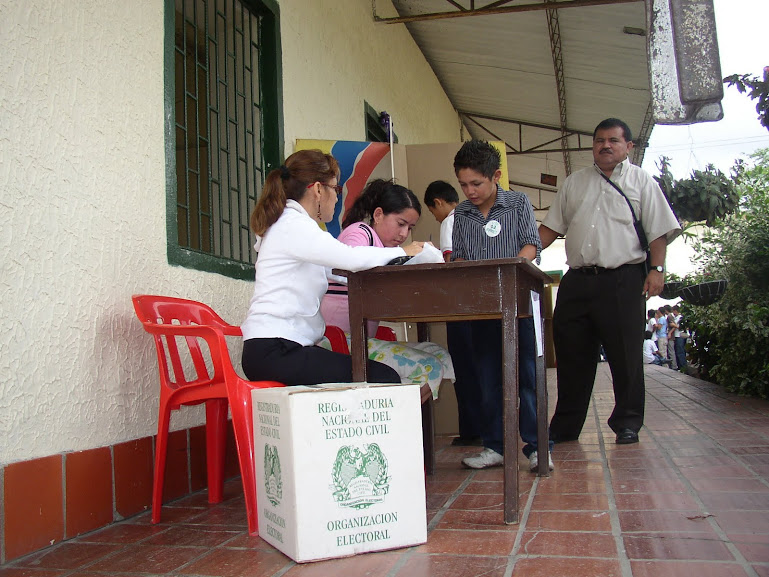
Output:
x=517 y=227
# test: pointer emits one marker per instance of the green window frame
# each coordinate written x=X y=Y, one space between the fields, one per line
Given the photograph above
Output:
x=224 y=128
x=375 y=132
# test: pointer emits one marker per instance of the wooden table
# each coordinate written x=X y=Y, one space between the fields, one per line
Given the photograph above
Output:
x=464 y=290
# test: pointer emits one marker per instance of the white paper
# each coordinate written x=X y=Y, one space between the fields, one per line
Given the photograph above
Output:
x=429 y=254
x=535 y=311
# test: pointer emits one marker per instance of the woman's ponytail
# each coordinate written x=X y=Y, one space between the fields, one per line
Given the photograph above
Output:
x=290 y=181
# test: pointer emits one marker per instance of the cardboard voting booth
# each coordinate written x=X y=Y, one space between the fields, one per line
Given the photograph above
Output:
x=339 y=469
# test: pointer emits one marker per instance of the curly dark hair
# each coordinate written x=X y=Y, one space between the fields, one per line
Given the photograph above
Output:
x=480 y=156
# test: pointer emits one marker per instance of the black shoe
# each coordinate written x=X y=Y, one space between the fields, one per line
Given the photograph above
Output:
x=467 y=442
x=626 y=437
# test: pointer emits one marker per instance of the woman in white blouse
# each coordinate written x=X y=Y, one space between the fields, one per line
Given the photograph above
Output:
x=294 y=259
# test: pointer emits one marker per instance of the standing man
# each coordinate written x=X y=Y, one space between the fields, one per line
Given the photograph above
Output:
x=601 y=296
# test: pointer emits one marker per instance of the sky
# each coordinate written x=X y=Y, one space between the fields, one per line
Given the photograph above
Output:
x=744 y=49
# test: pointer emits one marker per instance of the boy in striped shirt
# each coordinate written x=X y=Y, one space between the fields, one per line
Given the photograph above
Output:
x=497 y=223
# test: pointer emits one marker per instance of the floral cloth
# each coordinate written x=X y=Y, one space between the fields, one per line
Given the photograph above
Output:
x=418 y=363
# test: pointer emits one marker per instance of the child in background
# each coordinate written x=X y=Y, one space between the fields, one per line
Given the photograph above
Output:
x=651 y=354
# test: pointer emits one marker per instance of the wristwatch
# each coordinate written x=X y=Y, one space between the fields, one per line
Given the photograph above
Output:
x=659 y=268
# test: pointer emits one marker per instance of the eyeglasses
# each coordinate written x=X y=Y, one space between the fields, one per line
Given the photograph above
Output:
x=337 y=188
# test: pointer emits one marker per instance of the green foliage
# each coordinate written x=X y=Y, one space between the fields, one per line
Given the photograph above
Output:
x=731 y=336
x=759 y=90
x=708 y=195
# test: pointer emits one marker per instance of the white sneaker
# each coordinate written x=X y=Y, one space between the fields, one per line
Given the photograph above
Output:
x=534 y=462
x=486 y=458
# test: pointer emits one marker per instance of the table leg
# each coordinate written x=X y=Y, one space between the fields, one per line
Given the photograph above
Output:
x=510 y=398
x=542 y=427
x=358 y=336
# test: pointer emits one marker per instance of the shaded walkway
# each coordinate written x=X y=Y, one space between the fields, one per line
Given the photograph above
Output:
x=692 y=498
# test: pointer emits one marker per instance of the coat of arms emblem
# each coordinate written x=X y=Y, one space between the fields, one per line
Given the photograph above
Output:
x=273 y=483
x=360 y=476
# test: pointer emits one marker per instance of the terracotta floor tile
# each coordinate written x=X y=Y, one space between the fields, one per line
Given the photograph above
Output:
x=485 y=502
x=738 y=501
x=754 y=552
x=490 y=543
x=637 y=463
x=474 y=519
x=26 y=572
x=761 y=570
x=123 y=533
x=730 y=485
x=235 y=563
x=679 y=568
x=664 y=521
x=245 y=541
x=568 y=544
x=743 y=521
x=191 y=536
x=655 y=501
x=421 y=565
x=574 y=502
x=716 y=471
x=369 y=564
x=648 y=486
x=484 y=487
x=643 y=474
x=223 y=517
x=561 y=485
x=675 y=546
x=69 y=555
x=152 y=559
x=552 y=567
x=569 y=521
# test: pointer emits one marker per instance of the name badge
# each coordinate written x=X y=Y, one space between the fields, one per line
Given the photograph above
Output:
x=492 y=228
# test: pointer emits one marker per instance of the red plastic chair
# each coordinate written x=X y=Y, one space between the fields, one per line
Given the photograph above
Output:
x=172 y=321
x=338 y=339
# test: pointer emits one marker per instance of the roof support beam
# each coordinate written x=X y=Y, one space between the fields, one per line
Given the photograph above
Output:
x=495 y=8
x=554 y=29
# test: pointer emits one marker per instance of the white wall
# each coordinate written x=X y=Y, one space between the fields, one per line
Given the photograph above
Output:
x=83 y=197
x=335 y=56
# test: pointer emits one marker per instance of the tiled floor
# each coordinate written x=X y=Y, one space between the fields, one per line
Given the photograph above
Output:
x=691 y=499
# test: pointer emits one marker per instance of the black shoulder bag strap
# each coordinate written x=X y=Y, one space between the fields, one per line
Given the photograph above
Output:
x=636 y=223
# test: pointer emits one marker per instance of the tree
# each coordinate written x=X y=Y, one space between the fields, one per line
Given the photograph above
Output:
x=759 y=89
x=731 y=337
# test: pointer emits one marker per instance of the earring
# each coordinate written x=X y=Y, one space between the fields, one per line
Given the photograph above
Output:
x=319 y=215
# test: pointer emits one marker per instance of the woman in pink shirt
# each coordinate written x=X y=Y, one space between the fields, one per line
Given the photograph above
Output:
x=383 y=216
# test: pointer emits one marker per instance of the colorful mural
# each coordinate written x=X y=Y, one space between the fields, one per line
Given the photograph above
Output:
x=359 y=162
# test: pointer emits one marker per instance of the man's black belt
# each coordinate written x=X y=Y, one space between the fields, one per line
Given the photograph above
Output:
x=593 y=270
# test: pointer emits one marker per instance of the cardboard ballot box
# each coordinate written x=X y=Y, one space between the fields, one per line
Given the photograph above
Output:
x=339 y=468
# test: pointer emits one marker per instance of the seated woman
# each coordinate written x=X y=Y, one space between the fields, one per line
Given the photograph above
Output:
x=383 y=216
x=294 y=258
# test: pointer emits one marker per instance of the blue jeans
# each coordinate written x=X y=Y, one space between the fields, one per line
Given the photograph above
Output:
x=487 y=350
x=459 y=339
x=681 y=352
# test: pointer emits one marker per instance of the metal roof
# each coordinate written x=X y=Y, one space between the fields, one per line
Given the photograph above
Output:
x=538 y=74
